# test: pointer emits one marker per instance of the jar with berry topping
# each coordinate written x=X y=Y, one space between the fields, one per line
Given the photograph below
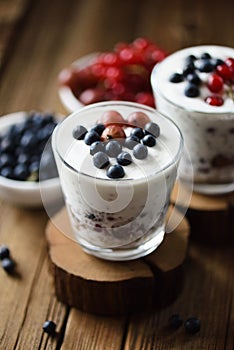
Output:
x=117 y=163
x=195 y=87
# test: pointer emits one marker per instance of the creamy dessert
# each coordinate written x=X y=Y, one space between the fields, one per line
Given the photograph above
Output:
x=195 y=86
x=117 y=164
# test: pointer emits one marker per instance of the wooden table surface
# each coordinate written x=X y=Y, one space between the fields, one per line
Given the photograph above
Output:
x=37 y=39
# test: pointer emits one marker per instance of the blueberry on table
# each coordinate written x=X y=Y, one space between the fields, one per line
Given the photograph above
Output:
x=131 y=141
x=96 y=146
x=124 y=158
x=152 y=129
x=90 y=137
x=49 y=327
x=79 y=132
x=192 y=325
x=138 y=132
x=175 y=321
x=100 y=160
x=140 y=151
x=8 y=265
x=4 y=252
x=191 y=90
x=176 y=78
x=113 y=148
x=115 y=171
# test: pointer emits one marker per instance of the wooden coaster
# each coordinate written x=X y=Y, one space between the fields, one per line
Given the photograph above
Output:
x=211 y=218
x=106 y=287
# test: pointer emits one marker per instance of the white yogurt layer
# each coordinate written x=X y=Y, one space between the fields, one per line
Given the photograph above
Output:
x=174 y=92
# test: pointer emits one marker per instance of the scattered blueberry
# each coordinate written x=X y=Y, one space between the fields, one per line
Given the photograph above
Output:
x=8 y=265
x=97 y=146
x=115 y=171
x=124 y=158
x=216 y=62
x=152 y=129
x=140 y=151
x=190 y=58
x=192 y=325
x=175 y=321
x=49 y=327
x=90 y=137
x=138 y=132
x=176 y=78
x=205 y=55
x=113 y=148
x=79 y=132
x=131 y=141
x=100 y=160
x=149 y=140
x=191 y=90
x=4 y=252
x=188 y=68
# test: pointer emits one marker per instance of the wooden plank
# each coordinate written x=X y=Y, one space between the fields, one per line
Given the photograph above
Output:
x=207 y=294
x=89 y=332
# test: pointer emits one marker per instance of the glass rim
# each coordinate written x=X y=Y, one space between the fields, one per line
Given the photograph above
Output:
x=121 y=103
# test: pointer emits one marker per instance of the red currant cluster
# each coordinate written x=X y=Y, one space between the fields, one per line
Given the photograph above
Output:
x=221 y=80
x=121 y=74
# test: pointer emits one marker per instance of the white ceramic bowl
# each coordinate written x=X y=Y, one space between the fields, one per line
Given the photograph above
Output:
x=68 y=99
x=27 y=193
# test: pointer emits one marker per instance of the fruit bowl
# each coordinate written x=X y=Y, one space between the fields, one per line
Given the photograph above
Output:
x=121 y=74
x=25 y=193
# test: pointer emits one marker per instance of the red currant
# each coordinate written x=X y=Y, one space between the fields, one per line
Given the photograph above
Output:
x=214 y=100
x=91 y=96
x=224 y=71
x=230 y=63
x=215 y=83
x=145 y=98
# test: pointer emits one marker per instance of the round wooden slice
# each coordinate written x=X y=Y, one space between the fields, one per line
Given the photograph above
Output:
x=106 y=287
x=211 y=218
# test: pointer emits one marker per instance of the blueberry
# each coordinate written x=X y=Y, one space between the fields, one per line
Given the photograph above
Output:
x=99 y=128
x=97 y=146
x=28 y=139
x=194 y=79
x=140 y=151
x=205 y=66
x=188 y=68
x=79 y=132
x=4 y=252
x=149 y=140
x=131 y=141
x=176 y=78
x=6 y=159
x=205 y=55
x=124 y=158
x=100 y=160
x=49 y=327
x=90 y=137
x=216 y=62
x=192 y=325
x=7 y=172
x=113 y=148
x=8 y=265
x=190 y=58
x=152 y=129
x=191 y=90
x=20 y=172
x=175 y=321
x=138 y=132
x=115 y=171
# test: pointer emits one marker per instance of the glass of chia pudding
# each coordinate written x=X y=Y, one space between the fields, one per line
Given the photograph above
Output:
x=117 y=163
x=195 y=87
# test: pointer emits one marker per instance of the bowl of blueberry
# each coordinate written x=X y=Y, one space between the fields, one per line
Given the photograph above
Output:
x=120 y=74
x=27 y=167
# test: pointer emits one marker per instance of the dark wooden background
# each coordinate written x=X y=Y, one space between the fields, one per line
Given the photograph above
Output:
x=38 y=39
